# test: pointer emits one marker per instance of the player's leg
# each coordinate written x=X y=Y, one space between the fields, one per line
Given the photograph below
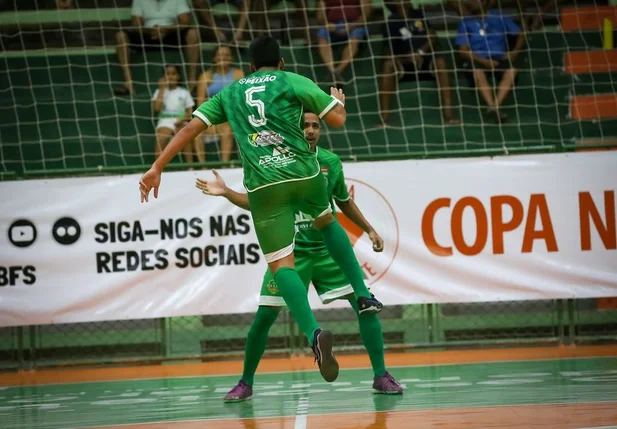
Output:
x=270 y=304
x=372 y=338
x=331 y=284
x=313 y=201
x=256 y=342
x=274 y=219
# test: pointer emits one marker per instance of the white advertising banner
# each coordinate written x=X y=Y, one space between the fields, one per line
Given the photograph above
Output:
x=456 y=230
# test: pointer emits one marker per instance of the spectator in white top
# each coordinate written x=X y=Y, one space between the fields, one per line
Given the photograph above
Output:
x=156 y=25
x=174 y=105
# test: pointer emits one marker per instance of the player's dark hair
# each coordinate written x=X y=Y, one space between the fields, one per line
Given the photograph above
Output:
x=265 y=52
x=309 y=111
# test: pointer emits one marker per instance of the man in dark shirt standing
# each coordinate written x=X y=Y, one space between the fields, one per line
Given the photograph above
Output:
x=410 y=45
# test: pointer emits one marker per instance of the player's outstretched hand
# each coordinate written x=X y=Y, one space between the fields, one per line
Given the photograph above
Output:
x=338 y=94
x=150 y=180
x=377 y=241
x=216 y=187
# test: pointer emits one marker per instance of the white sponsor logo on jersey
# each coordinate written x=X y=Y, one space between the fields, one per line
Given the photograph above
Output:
x=261 y=79
x=281 y=157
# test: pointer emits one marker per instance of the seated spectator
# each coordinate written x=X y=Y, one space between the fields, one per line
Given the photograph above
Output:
x=173 y=104
x=483 y=40
x=157 y=24
x=211 y=82
x=342 y=20
x=262 y=20
x=410 y=46
x=228 y=32
x=533 y=19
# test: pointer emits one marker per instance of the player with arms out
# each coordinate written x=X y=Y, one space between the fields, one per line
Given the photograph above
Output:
x=282 y=176
x=314 y=264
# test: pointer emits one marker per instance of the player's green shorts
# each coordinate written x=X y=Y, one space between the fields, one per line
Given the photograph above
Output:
x=274 y=207
x=318 y=268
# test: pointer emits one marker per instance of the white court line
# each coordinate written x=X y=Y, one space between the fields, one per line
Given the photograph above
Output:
x=427 y=365
x=301 y=412
x=601 y=427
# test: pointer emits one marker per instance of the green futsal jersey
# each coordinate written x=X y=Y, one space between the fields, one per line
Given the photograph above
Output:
x=266 y=113
x=308 y=239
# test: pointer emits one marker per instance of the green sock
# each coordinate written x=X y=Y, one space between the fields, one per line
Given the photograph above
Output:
x=372 y=338
x=340 y=250
x=256 y=341
x=294 y=293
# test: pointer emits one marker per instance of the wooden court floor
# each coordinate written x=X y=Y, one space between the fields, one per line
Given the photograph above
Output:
x=573 y=387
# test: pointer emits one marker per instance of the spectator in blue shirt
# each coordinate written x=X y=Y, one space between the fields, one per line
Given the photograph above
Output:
x=483 y=40
x=410 y=45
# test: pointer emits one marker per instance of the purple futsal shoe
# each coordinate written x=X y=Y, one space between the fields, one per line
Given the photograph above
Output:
x=387 y=385
x=240 y=392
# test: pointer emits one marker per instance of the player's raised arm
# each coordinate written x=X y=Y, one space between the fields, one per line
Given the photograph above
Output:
x=218 y=188
x=209 y=113
x=152 y=178
x=352 y=211
x=330 y=108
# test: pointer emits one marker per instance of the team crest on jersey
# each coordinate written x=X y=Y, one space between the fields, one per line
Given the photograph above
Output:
x=273 y=287
x=302 y=221
x=265 y=138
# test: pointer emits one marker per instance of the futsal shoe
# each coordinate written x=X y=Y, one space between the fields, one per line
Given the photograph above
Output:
x=322 y=347
x=240 y=392
x=369 y=305
x=387 y=385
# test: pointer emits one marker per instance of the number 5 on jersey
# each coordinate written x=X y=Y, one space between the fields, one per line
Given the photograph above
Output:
x=261 y=120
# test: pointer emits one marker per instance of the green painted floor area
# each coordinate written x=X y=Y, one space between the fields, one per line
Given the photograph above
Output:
x=428 y=387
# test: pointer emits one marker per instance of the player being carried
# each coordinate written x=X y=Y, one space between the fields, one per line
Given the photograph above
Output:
x=313 y=264
x=282 y=177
